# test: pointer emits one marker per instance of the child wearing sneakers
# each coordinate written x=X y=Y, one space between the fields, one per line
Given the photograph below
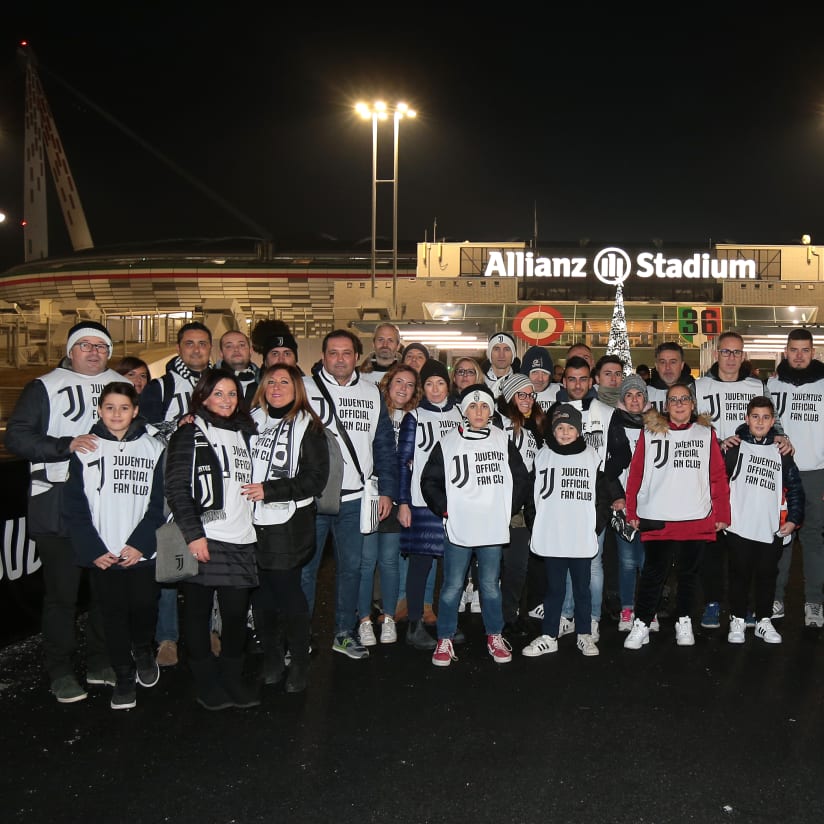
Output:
x=569 y=507
x=112 y=505
x=760 y=525
x=475 y=479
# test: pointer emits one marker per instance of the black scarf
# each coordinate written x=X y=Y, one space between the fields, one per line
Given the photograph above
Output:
x=799 y=377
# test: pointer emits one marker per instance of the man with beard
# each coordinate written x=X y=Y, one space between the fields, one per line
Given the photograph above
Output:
x=236 y=356
x=386 y=341
x=163 y=402
x=798 y=392
x=669 y=369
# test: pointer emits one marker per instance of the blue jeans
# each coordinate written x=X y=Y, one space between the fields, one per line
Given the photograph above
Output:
x=596 y=585
x=348 y=545
x=455 y=564
x=429 y=593
x=167 y=622
x=558 y=572
x=381 y=549
x=630 y=564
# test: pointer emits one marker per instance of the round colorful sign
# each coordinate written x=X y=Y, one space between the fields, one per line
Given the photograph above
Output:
x=538 y=325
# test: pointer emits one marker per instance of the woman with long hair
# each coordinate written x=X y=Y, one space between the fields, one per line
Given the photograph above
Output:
x=290 y=463
x=208 y=465
x=422 y=538
x=523 y=421
x=401 y=390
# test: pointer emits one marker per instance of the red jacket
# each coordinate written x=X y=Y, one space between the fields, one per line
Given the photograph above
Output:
x=697 y=530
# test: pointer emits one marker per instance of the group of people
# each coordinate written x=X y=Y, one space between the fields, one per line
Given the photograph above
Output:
x=489 y=477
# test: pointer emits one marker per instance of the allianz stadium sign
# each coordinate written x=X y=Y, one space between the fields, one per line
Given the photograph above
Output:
x=613 y=266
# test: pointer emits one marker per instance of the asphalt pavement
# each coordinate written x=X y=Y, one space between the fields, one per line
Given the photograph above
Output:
x=710 y=733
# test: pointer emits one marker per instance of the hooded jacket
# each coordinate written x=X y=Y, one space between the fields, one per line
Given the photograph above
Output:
x=790 y=476
x=114 y=496
x=697 y=529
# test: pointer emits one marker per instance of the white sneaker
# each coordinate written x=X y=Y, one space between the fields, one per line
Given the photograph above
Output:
x=566 y=627
x=389 y=632
x=654 y=625
x=366 y=633
x=626 y=619
x=638 y=635
x=778 y=609
x=737 y=629
x=540 y=646
x=683 y=632
x=813 y=615
x=765 y=630
x=537 y=612
x=595 y=631
x=475 y=603
x=586 y=643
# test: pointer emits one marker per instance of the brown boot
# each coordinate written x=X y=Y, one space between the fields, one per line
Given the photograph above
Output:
x=401 y=610
x=167 y=654
x=429 y=617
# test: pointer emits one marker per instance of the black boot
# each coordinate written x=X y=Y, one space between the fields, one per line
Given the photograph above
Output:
x=418 y=637
x=208 y=690
x=124 y=695
x=297 y=634
x=271 y=630
x=241 y=694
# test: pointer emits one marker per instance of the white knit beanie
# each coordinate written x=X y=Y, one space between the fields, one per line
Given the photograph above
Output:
x=501 y=337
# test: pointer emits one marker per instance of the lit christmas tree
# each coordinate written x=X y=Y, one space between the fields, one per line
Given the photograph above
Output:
x=618 y=343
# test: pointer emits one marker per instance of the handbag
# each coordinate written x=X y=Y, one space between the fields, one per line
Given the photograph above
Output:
x=328 y=502
x=369 y=511
x=370 y=497
x=173 y=561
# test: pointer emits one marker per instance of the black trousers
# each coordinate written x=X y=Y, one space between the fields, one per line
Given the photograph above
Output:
x=280 y=591
x=713 y=571
x=416 y=575
x=128 y=601
x=660 y=555
x=62 y=578
x=752 y=560
x=514 y=563
x=197 y=614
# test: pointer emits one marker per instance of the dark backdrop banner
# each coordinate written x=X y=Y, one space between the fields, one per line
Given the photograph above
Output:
x=21 y=581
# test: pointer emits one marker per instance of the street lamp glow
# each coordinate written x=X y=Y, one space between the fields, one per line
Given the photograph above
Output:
x=379 y=110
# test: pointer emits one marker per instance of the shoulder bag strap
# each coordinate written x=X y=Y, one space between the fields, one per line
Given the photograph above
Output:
x=344 y=435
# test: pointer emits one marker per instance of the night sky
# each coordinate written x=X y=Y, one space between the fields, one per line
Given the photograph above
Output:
x=613 y=126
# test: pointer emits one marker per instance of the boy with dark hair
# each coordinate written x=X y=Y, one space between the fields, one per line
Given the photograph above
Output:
x=767 y=506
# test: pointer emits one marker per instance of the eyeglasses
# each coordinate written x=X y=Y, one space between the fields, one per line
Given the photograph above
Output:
x=464 y=373
x=525 y=396
x=85 y=346
x=731 y=353
x=679 y=399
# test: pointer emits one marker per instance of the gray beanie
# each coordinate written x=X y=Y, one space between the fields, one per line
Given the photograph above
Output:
x=634 y=382
x=512 y=383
